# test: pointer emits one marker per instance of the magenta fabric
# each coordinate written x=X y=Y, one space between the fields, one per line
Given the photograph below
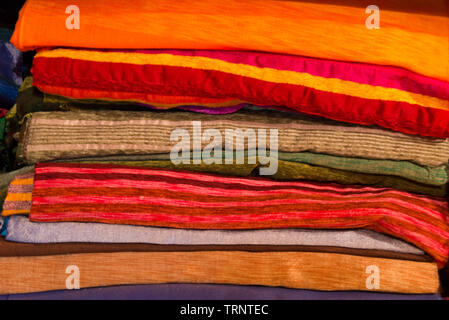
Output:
x=376 y=75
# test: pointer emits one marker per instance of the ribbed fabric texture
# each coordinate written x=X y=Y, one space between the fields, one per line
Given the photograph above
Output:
x=304 y=270
x=59 y=135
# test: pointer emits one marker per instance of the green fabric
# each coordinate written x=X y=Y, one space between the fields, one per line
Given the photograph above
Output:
x=9 y=127
x=432 y=176
x=3 y=192
x=53 y=99
x=436 y=176
x=30 y=99
x=2 y=128
x=4 y=154
x=291 y=171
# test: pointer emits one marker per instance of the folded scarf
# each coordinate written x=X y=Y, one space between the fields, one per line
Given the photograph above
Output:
x=301 y=270
x=286 y=171
x=16 y=249
x=7 y=178
x=156 y=197
x=20 y=229
x=405 y=169
x=433 y=176
x=343 y=91
x=64 y=135
x=294 y=171
x=411 y=39
x=19 y=192
x=183 y=291
x=30 y=99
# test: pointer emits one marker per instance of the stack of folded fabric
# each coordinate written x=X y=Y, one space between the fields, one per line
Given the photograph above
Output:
x=256 y=149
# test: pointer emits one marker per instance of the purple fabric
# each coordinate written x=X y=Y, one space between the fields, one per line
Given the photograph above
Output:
x=221 y=110
x=10 y=64
x=218 y=110
x=208 y=292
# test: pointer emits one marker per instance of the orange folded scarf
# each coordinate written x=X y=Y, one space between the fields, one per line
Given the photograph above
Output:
x=411 y=39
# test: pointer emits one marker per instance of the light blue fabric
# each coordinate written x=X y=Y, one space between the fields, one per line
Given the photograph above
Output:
x=3 y=225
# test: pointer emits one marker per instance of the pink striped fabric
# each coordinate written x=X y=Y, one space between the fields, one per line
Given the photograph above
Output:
x=376 y=75
x=180 y=199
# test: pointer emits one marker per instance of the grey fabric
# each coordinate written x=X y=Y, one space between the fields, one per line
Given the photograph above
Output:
x=20 y=229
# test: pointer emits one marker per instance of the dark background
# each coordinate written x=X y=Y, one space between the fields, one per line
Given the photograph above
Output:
x=9 y=10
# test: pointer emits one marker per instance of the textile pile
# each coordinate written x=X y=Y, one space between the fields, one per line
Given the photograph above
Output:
x=256 y=150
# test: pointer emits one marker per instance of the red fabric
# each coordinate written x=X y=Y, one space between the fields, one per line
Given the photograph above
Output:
x=181 y=199
x=179 y=81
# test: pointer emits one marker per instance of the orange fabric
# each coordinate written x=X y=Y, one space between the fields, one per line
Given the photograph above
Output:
x=416 y=41
x=156 y=100
x=300 y=270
